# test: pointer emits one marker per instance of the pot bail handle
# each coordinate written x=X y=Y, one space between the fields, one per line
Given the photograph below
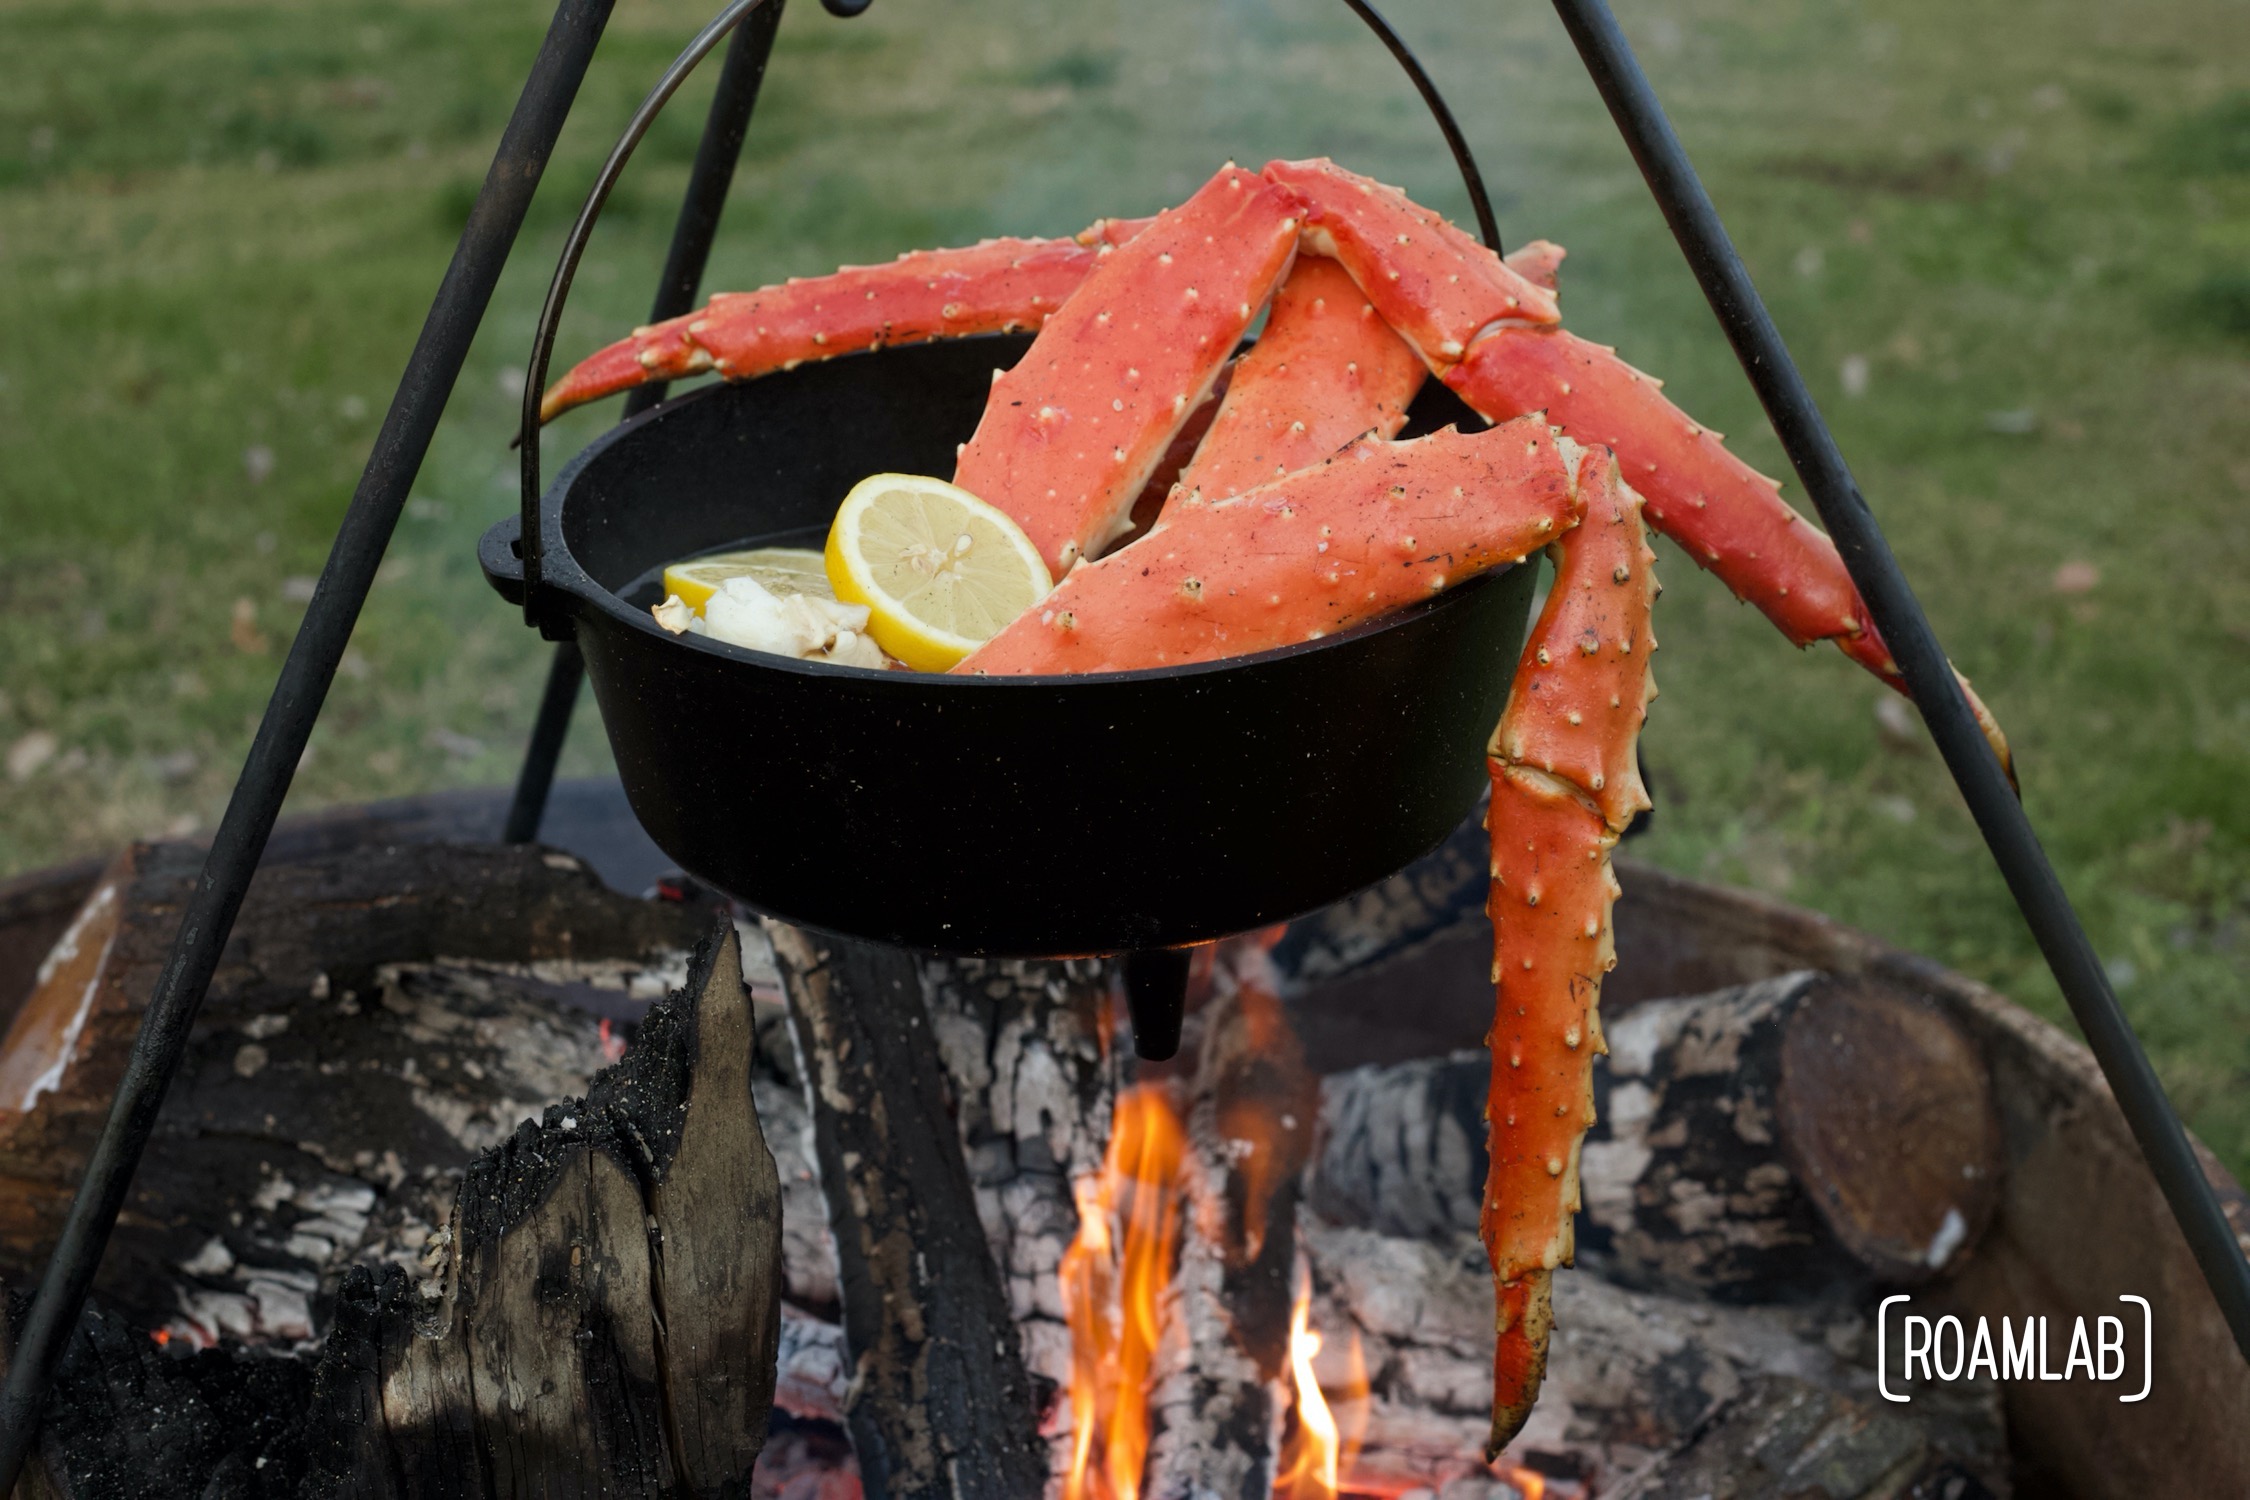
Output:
x=533 y=543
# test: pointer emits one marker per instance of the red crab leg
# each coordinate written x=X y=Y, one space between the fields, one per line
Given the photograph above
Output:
x=1730 y=518
x=1072 y=433
x=1538 y=262
x=1432 y=282
x=1564 y=786
x=1375 y=527
x=1326 y=370
x=997 y=286
x=1317 y=378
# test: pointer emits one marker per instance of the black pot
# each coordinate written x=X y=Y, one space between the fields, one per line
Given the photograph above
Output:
x=1008 y=815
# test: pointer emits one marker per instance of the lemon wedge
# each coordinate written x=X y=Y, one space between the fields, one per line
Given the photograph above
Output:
x=940 y=571
x=783 y=571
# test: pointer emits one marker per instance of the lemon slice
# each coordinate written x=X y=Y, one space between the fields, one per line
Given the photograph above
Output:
x=940 y=571
x=783 y=570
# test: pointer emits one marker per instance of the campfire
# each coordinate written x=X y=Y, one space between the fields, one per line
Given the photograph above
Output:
x=1008 y=1256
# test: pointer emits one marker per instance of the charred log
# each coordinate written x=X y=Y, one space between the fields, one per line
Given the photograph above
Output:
x=328 y=962
x=1784 y=1438
x=1639 y=1388
x=1216 y=1399
x=940 y=1403
x=607 y=1312
x=1034 y=1080
x=600 y=1315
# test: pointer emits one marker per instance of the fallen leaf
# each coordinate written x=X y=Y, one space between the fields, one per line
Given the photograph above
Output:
x=31 y=752
x=2077 y=577
x=244 y=632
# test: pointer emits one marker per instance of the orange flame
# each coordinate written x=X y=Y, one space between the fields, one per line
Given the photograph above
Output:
x=1112 y=1293
x=1317 y=1461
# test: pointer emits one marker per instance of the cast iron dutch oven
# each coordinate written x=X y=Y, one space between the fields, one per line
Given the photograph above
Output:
x=1032 y=816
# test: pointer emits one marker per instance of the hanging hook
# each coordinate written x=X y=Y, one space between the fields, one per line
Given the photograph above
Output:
x=1488 y=227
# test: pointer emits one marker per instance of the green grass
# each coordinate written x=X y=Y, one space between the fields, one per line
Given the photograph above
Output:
x=2026 y=228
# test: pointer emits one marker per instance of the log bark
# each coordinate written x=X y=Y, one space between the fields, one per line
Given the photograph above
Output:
x=607 y=1311
x=1782 y=1138
x=940 y=1404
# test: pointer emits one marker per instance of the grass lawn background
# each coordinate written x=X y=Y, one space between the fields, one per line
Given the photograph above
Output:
x=2009 y=245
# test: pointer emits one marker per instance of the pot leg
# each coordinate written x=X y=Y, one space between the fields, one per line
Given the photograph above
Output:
x=1156 y=994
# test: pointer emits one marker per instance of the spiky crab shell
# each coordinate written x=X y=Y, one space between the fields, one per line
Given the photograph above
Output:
x=1326 y=369
x=1071 y=434
x=1565 y=782
x=995 y=286
x=1433 y=283
x=1378 y=526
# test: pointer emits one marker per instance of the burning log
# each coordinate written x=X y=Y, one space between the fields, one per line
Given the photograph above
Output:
x=1637 y=1385
x=1034 y=1081
x=1769 y=1140
x=1217 y=1394
x=940 y=1403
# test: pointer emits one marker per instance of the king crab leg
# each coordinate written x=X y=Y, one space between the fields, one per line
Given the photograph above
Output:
x=1377 y=526
x=996 y=286
x=1071 y=434
x=1326 y=370
x=1565 y=784
x=1726 y=515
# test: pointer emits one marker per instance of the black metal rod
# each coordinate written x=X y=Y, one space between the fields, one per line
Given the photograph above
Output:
x=1921 y=660
x=1487 y=225
x=542 y=753
x=716 y=156
x=698 y=225
x=566 y=271
x=360 y=542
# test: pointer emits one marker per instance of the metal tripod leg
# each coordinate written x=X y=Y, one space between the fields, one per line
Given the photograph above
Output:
x=297 y=697
x=715 y=158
